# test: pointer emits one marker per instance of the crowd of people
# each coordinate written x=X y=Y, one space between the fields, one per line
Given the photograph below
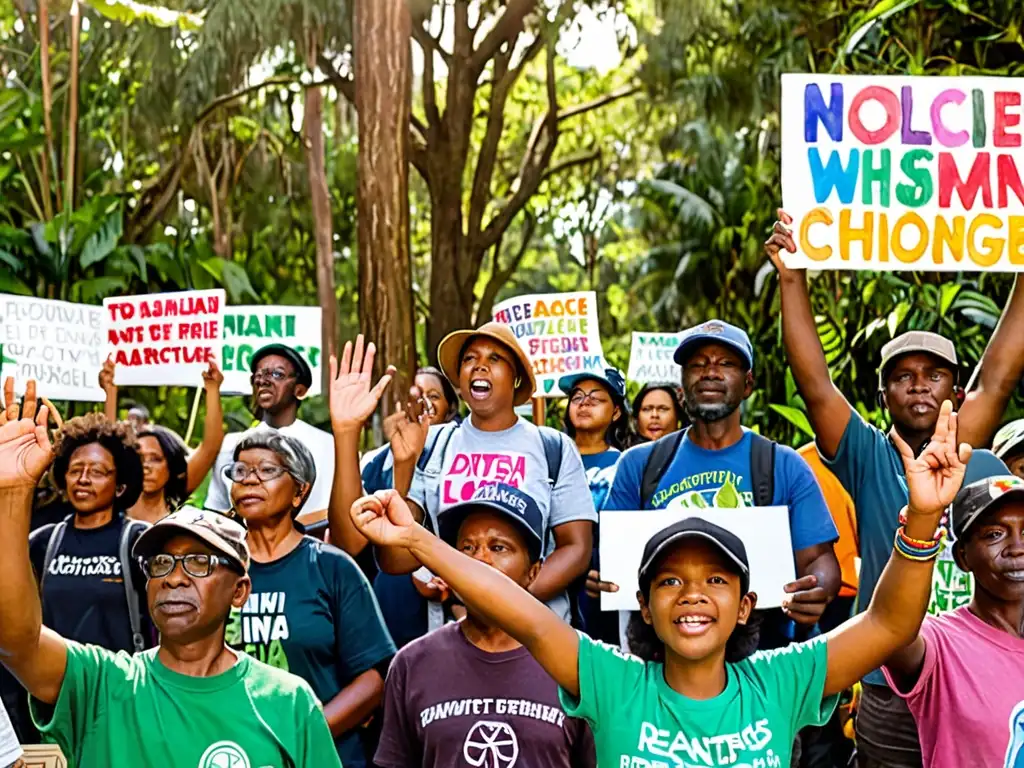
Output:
x=436 y=602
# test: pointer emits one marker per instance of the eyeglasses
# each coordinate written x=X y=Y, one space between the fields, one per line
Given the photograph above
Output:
x=276 y=374
x=93 y=473
x=239 y=472
x=580 y=397
x=198 y=566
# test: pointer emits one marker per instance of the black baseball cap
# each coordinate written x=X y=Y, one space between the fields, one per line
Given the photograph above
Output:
x=303 y=373
x=979 y=497
x=222 y=533
x=664 y=540
x=508 y=501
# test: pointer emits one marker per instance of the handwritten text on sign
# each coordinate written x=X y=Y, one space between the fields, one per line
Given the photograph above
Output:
x=247 y=329
x=891 y=173
x=165 y=338
x=650 y=358
x=57 y=343
x=763 y=530
x=558 y=332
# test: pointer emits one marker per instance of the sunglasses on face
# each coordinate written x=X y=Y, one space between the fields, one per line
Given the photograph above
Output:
x=277 y=375
x=197 y=565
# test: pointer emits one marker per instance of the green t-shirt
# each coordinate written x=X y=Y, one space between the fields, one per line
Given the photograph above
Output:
x=121 y=711
x=640 y=722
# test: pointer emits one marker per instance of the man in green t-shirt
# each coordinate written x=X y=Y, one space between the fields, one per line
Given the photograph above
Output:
x=191 y=702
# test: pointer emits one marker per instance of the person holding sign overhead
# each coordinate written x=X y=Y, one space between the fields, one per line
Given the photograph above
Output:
x=919 y=372
x=717 y=463
x=280 y=379
x=700 y=695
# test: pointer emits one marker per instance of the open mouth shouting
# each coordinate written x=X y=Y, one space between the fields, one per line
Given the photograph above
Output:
x=479 y=389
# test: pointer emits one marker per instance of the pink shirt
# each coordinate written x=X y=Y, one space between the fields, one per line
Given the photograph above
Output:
x=969 y=700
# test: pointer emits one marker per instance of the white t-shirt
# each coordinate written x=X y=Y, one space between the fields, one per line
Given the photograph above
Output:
x=516 y=457
x=10 y=749
x=319 y=443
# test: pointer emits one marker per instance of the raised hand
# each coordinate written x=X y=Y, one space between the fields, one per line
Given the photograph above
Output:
x=384 y=519
x=25 y=450
x=213 y=377
x=352 y=400
x=107 y=375
x=935 y=477
x=406 y=429
x=781 y=237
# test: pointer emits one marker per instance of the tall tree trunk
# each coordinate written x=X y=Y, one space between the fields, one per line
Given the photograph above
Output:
x=323 y=230
x=451 y=308
x=383 y=95
x=70 y=169
x=44 y=66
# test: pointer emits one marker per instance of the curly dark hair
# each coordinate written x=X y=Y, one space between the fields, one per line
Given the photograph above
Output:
x=118 y=437
x=176 y=455
x=670 y=389
x=644 y=641
x=617 y=436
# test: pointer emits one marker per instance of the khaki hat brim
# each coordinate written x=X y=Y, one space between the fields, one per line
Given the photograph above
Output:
x=154 y=537
x=451 y=346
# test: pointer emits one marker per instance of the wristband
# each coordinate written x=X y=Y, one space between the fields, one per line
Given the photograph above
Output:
x=941 y=533
x=915 y=549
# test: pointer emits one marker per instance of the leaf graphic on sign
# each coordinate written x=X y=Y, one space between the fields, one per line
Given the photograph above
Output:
x=549 y=385
x=728 y=497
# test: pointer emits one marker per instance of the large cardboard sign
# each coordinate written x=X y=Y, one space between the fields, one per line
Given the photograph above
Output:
x=164 y=338
x=894 y=173
x=558 y=332
x=57 y=343
x=650 y=358
x=763 y=530
x=249 y=328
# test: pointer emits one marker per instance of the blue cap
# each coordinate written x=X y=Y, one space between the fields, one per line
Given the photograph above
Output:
x=715 y=332
x=508 y=501
x=610 y=377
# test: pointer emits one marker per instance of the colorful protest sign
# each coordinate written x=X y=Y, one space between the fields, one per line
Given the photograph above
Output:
x=558 y=332
x=164 y=338
x=57 y=343
x=763 y=530
x=890 y=173
x=650 y=358
x=247 y=329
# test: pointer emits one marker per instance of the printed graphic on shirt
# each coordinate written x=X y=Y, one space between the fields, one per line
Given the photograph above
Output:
x=660 y=748
x=715 y=488
x=951 y=587
x=97 y=565
x=470 y=471
x=259 y=627
x=600 y=480
x=1015 y=749
x=224 y=754
x=491 y=745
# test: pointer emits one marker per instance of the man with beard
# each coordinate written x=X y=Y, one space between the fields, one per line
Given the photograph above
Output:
x=717 y=463
x=280 y=379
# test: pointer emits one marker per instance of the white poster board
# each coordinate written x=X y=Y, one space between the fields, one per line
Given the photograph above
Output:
x=650 y=358
x=57 y=343
x=895 y=172
x=249 y=328
x=164 y=338
x=763 y=530
x=558 y=332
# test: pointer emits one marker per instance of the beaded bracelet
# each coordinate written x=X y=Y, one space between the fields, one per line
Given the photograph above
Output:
x=915 y=549
x=941 y=533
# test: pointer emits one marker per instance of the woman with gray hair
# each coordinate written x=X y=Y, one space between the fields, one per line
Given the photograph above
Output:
x=312 y=611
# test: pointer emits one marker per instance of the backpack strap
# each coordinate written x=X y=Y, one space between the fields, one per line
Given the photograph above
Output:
x=52 y=548
x=552 y=440
x=661 y=456
x=124 y=554
x=762 y=469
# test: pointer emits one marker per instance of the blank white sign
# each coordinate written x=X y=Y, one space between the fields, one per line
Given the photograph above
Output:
x=763 y=530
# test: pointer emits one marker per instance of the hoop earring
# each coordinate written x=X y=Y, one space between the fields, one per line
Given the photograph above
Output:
x=517 y=382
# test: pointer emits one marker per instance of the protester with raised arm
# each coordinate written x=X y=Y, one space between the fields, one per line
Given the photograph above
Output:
x=323 y=620
x=918 y=373
x=700 y=698
x=281 y=377
x=170 y=471
x=192 y=701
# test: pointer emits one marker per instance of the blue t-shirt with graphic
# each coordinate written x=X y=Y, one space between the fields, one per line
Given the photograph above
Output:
x=698 y=478
x=600 y=469
x=871 y=470
x=312 y=613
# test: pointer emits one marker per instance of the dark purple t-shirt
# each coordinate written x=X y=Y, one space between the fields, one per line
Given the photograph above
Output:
x=449 y=704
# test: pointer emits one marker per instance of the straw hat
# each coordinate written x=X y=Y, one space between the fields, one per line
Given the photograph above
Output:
x=449 y=353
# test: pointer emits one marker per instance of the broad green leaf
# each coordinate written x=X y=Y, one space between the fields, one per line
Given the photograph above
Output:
x=949 y=292
x=795 y=417
x=129 y=12
x=727 y=497
x=97 y=288
x=103 y=242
